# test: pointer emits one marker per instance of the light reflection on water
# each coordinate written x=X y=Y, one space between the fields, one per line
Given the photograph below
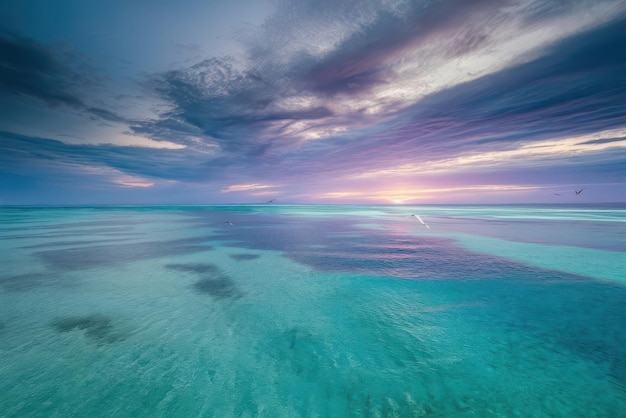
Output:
x=301 y=312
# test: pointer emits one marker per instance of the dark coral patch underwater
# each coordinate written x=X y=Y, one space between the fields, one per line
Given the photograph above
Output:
x=211 y=280
x=97 y=327
x=242 y=257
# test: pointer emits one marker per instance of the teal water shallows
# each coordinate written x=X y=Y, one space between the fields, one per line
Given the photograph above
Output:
x=312 y=311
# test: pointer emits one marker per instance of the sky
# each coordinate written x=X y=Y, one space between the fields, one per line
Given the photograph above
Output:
x=312 y=101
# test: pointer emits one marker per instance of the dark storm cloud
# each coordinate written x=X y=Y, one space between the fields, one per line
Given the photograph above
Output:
x=28 y=68
x=51 y=75
x=231 y=106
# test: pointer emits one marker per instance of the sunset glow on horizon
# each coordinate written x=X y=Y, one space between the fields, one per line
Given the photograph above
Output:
x=380 y=102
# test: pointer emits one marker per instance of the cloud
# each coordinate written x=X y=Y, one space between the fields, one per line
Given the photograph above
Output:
x=347 y=73
x=369 y=56
x=31 y=155
x=27 y=68
x=570 y=91
x=233 y=108
x=329 y=92
x=105 y=114
x=532 y=154
x=409 y=90
x=246 y=187
x=53 y=76
x=606 y=141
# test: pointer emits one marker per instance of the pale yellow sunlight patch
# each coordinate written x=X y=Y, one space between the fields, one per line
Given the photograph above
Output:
x=123 y=140
x=114 y=135
x=117 y=176
x=128 y=181
x=554 y=152
x=400 y=196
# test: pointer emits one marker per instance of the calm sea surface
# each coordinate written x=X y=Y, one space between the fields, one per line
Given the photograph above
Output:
x=313 y=311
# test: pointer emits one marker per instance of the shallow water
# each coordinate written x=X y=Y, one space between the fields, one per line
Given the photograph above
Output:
x=313 y=311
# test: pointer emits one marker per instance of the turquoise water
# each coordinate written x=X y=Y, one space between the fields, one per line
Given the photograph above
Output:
x=313 y=311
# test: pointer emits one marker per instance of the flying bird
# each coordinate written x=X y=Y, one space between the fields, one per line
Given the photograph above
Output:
x=557 y=194
x=229 y=223
x=421 y=220
x=578 y=191
x=269 y=201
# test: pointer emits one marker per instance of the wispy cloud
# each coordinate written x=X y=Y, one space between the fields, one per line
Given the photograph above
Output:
x=113 y=176
x=548 y=153
x=246 y=187
x=23 y=154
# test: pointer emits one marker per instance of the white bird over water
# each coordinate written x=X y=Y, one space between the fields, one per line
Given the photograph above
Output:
x=421 y=220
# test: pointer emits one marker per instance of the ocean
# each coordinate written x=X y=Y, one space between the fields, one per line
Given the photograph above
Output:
x=313 y=311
